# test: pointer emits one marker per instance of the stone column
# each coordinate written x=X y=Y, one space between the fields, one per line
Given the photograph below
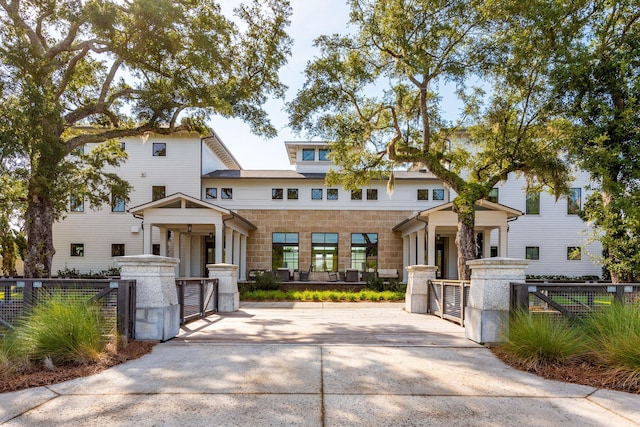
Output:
x=418 y=286
x=157 y=308
x=487 y=311
x=228 y=295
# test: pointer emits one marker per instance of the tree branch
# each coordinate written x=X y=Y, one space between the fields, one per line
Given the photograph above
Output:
x=98 y=137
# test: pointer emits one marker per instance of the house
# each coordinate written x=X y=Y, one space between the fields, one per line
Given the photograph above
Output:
x=192 y=200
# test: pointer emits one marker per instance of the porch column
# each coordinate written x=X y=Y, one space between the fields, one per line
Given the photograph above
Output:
x=187 y=255
x=405 y=258
x=487 y=311
x=503 y=246
x=431 y=245
x=416 y=298
x=157 y=308
x=163 y=241
x=486 y=240
x=147 y=245
x=412 y=248
x=236 y=249
x=228 y=246
x=421 y=243
x=219 y=242
x=243 y=257
x=177 y=247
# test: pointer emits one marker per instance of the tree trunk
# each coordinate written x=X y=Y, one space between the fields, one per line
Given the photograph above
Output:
x=39 y=229
x=465 y=238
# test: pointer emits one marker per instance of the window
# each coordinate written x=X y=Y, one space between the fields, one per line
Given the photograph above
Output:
x=77 y=249
x=76 y=204
x=155 y=249
x=364 y=251
x=372 y=194
x=158 y=192
x=117 y=203
x=574 y=201
x=277 y=194
x=226 y=193
x=79 y=150
x=533 y=203
x=493 y=195
x=324 y=251
x=574 y=253
x=211 y=193
x=284 y=251
x=292 y=194
x=332 y=194
x=123 y=146
x=159 y=149
x=117 y=249
x=308 y=154
x=323 y=154
x=316 y=194
x=532 y=252
x=423 y=194
x=494 y=251
x=438 y=194
x=356 y=194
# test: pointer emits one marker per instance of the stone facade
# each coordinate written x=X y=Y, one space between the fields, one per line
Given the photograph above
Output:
x=344 y=222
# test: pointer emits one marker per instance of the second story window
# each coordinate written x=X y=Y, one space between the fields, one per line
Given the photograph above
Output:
x=423 y=194
x=493 y=195
x=438 y=194
x=316 y=194
x=117 y=204
x=277 y=194
x=356 y=194
x=292 y=193
x=308 y=154
x=372 y=194
x=159 y=149
x=76 y=204
x=332 y=194
x=211 y=193
x=158 y=192
x=533 y=203
x=226 y=193
x=323 y=154
x=574 y=201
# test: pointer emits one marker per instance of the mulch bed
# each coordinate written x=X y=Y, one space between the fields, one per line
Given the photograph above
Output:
x=585 y=373
x=133 y=350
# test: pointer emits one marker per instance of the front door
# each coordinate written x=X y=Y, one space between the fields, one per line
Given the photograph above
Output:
x=441 y=259
x=209 y=253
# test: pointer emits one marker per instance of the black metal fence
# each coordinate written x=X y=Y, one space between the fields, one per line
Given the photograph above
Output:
x=116 y=298
x=571 y=299
x=197 y=298
x=447 y=299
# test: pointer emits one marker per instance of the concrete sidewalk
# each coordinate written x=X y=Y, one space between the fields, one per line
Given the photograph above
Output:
x=318 y=364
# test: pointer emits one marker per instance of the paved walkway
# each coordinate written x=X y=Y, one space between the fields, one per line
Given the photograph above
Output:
x=318 y=364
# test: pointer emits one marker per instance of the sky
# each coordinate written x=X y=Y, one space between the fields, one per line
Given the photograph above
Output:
x=310 y=19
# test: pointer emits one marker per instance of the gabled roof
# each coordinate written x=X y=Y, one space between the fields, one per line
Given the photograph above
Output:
x=218 y=148
x=480 y=205
x=175 y=200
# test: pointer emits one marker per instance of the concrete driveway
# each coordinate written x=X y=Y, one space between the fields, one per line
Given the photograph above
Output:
x=318 y=364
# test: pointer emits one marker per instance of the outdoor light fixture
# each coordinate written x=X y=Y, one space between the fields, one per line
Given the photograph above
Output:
x=211 y=236
x=188 y=228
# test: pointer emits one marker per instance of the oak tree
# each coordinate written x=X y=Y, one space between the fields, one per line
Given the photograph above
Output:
x=79 y=72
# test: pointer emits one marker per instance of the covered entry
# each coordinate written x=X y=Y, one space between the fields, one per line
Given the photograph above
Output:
x=196 y=232
x=429 y=236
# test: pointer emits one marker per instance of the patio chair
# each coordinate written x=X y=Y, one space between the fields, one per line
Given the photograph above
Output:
x=304 y=275
x=333 y=276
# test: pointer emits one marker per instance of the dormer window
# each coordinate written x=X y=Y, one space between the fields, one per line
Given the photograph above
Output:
x=323 y=154
x=308 y=154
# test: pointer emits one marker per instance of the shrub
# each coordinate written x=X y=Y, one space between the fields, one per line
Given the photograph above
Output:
x=375 y=283
x=614 y=333
x=63 y=330
x=540 y=339
x=267 y=282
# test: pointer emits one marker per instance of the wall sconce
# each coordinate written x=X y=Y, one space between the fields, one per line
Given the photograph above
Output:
x=211 y=236
x=188 y=228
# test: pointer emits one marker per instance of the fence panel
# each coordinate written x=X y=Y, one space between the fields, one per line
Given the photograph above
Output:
x=447 y=299
x=571 y=299
x=197 y=298
x=116 y=298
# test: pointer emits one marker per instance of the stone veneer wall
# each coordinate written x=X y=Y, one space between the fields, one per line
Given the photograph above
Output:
x=304 y=222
